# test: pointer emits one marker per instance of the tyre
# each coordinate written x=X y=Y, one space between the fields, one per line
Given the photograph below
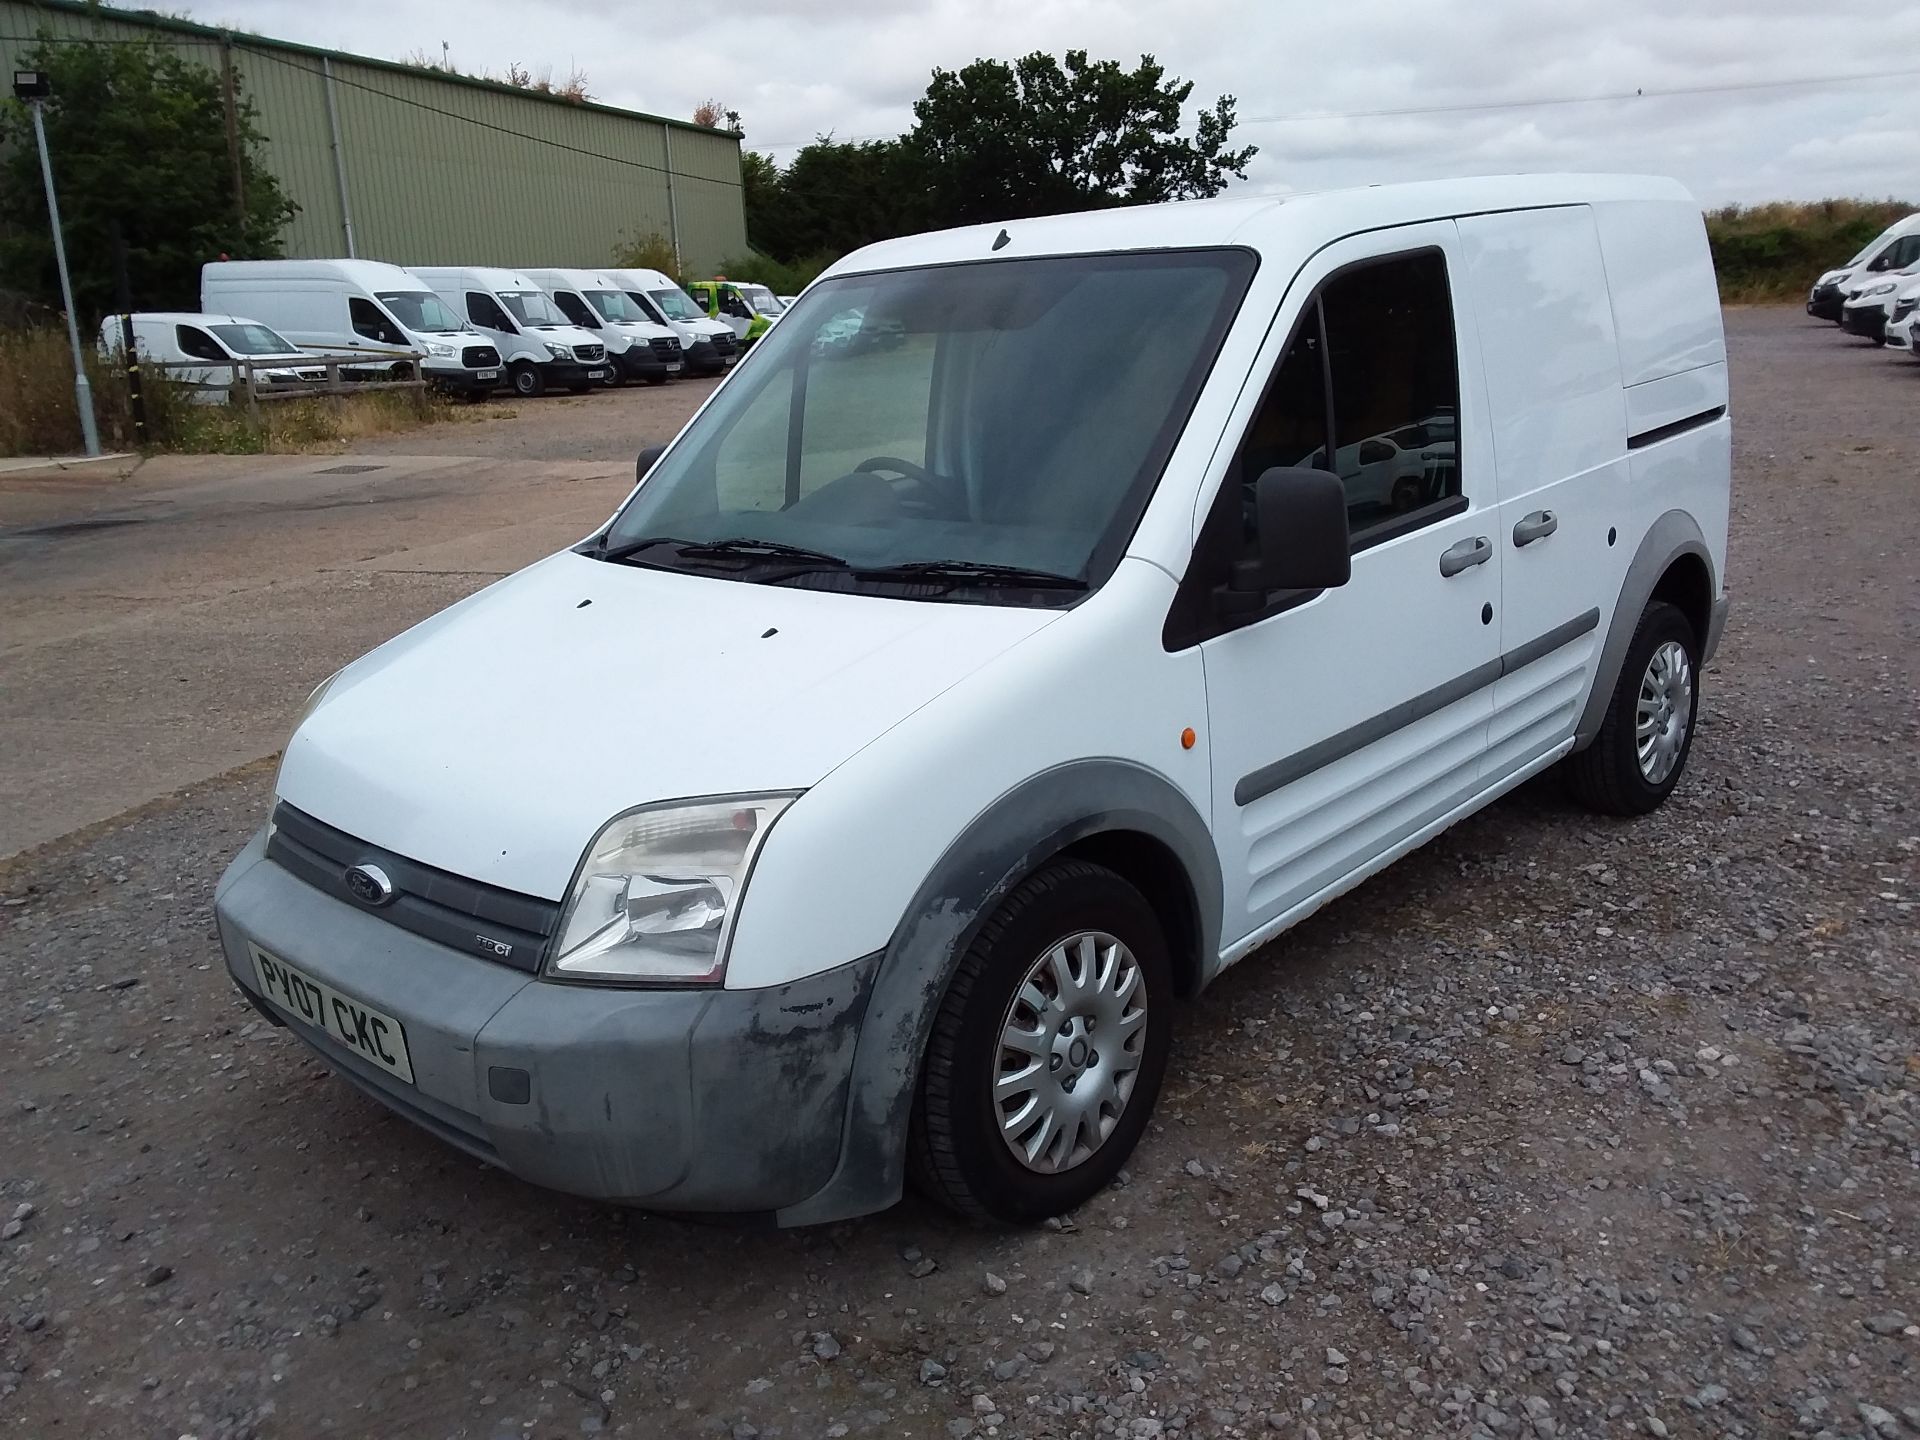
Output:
x=610 y=378
x=1048 y=1050
x=1647 y=733
x=527 y=380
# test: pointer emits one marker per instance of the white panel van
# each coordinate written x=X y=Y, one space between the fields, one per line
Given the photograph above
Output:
x=708 y=345
x=930 y=718
x=1894 y=248
x=638 y=346
x=177 y=339
x=540 y=347
x=357 y=306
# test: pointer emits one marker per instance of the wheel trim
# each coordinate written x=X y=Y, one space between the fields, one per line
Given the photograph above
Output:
x=1663 y=712
x=1070 y=1048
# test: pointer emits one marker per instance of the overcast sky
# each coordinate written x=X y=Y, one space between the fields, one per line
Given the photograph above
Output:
x=795 y=69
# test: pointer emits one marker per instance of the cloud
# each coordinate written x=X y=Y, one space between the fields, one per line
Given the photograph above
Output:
x=795 y=69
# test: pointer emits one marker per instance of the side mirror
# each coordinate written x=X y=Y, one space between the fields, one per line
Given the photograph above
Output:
x=1300 y=519
x=646 y=461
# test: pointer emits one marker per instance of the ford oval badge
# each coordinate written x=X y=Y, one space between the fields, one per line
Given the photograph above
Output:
x=369 y=884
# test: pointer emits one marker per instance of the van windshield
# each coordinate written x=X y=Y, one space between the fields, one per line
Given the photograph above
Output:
x=614 y=305
x=253 y=339
x=531 y=307
x=421 y=310
x=1009 y=415
x=676 y=304
x=761 y=299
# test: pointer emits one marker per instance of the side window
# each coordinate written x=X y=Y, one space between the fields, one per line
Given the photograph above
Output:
x=1905 y=251
x=1390 y=347
x=485 y=311
x=575 y=309
x=369 y=323
x=197 y=343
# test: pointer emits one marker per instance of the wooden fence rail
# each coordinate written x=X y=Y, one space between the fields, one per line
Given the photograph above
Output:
x=247 y=386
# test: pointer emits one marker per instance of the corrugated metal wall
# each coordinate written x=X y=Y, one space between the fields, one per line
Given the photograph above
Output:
x=442 y=172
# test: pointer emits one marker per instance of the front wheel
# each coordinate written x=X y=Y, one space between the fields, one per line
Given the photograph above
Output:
x=527 y=380
x=1048 y=1050
x=1647 y=733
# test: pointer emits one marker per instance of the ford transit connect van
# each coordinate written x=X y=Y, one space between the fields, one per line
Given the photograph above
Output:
x=862 y=796
x=344 y=307
x=707 y=344
x=638 y=346
x=538 y=345
x=178 y=339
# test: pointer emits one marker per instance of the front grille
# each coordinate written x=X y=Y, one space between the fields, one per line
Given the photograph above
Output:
x=478 y=357
x=592 y=354
x=666 y=347
x=723 y=344
x=450 y=909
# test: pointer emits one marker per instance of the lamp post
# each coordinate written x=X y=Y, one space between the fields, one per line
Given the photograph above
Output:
x=32 y=87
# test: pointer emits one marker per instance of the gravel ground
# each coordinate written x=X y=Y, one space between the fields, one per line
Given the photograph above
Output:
x=601 y=425
x=1558 y=1128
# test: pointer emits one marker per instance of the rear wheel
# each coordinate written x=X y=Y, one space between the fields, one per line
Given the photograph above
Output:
x=1637 y=758
x=1048 y=1050
x=526 y=379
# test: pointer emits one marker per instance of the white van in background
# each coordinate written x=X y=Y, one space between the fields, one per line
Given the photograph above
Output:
x=539 y=346
x=1903 y=317
x=1868 y=308
x=707 y=345
x=173 y=337
x=1894 y=248
x=349 y=306
x=638 y=346
x=935 y=723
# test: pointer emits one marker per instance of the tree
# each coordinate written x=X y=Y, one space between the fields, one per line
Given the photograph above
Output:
x=1000 y=142
x=833 y=198
x=139 y=144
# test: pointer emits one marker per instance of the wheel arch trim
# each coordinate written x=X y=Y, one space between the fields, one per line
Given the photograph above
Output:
x=1673 y=536
x=1012 y=837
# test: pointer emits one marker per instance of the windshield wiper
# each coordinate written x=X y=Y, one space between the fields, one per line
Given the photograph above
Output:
x=969 y=572
x=738 y=547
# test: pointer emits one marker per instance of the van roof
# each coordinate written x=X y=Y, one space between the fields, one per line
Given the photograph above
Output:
x=368 y=275
x=640 y=275
x=188 y=317
x=479 y=277
x=571 y=278
x=1259 y=221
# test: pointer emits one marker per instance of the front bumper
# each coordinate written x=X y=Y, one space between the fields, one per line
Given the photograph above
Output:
x=1867 y=321
x=564 y=374
x=465 y=382
x=703 y=358
x=693 y=1100
x=638 y=363
x=1824 y=302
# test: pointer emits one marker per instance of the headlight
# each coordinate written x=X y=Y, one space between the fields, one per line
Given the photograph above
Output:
x=657 y=893
x=558 y=352
x=1886 y=287
x=434 y=347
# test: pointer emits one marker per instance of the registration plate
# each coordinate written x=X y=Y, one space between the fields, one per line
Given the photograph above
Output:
x=376 y=1038
x=596 y=374
x=673 y=368
x=486 y=374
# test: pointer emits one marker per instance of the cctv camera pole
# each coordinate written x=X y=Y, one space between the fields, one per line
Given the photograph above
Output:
x=82 y=391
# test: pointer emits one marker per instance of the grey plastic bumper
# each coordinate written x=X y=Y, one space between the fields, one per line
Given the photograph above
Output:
x=713 y=1100
x=1716 y=627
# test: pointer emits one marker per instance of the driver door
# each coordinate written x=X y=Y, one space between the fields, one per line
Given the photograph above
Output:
x=1345 y=722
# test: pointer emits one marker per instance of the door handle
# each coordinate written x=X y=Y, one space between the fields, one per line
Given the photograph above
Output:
x=1537 y=526
x=1466 y=555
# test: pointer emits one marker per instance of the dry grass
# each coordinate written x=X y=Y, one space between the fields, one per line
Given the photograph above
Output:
x=40 y=418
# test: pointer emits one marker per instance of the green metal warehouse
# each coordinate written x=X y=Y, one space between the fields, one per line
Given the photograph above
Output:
x=425 y=167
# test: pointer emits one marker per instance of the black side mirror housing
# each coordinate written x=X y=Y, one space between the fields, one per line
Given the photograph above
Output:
x=645 y=462
x=1300 y=518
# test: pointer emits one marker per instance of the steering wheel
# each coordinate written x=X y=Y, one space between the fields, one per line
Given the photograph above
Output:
x=938 y=495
